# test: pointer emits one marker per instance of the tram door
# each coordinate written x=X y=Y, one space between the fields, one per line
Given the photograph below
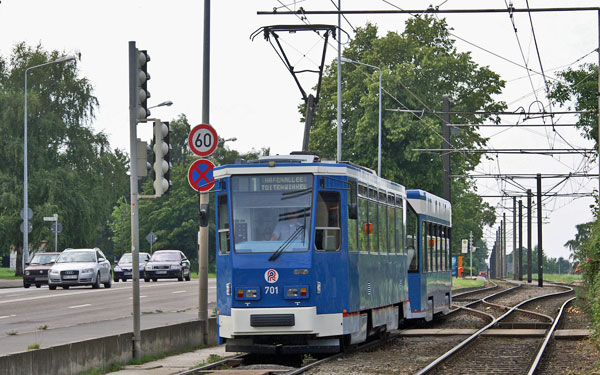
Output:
x=330 y=267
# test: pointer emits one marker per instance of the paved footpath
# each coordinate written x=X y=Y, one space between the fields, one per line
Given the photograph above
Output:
x=175 y=364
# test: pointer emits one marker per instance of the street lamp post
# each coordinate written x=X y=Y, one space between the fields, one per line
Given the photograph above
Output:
x=344 y=60
x=25 y=200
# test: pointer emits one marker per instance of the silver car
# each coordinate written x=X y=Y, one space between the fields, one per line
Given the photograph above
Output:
x=76 y=267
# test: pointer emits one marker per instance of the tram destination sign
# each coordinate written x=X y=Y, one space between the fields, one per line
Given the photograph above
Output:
x=274 y=183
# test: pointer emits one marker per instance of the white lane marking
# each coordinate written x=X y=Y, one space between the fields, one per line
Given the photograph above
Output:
x=54 y=295
x=78 y=306
x=179 y=291
x=7 y=316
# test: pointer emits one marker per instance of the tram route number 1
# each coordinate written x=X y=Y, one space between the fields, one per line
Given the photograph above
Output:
x=271 y=290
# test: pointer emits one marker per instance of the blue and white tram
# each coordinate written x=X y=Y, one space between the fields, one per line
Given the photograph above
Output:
x=311 y=256
x=429 y=222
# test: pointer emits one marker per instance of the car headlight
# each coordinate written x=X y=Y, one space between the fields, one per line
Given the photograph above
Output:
x=117 y=268
x=87 y=270
x=26 y=273
x=175 y=267
x=54 y=272
x=148 y=268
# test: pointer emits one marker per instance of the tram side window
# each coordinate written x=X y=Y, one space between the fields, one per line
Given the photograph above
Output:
x=374 y=235
x=223 y=213
x=364 y=227
x=412 y=225
x=441 y=246
x=448 y=251
x=400 y=226
x=438 y=247
x=327 y=227
x=424 y=246
x=383 y=230
x=392 y=230
x=352 y=222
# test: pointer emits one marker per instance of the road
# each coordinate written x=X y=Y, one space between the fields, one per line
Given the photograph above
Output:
x=52 y=317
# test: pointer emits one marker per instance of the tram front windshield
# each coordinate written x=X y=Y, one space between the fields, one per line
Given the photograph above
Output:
x=271 y=212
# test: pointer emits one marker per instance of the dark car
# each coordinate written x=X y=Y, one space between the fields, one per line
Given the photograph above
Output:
x=123 y=269
x=36 y=271
x=167 y=264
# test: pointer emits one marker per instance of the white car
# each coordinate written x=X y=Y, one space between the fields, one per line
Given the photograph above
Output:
x=76 y=267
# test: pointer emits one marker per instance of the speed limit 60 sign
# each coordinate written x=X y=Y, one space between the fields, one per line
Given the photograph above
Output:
x=203 y=140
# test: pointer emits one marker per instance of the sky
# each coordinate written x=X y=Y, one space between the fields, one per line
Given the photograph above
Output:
x=254 y=99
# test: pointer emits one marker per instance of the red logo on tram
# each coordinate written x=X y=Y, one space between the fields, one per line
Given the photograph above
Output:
x=271 y=276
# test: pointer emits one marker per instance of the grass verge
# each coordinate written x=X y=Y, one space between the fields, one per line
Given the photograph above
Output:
x=7 y=274
x=465 y=283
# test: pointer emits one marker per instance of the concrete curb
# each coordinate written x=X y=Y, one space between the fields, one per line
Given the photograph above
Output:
x=101 y=353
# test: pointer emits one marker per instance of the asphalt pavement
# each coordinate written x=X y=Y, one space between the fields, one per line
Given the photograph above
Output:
x=166 y=366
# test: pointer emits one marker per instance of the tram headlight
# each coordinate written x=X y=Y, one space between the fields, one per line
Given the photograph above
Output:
x=318 y=287
x=251 y=293
x=228 y=289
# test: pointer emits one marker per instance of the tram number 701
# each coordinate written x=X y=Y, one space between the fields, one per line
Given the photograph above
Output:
x=271 y=290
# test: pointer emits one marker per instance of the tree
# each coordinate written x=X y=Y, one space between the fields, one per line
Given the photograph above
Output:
x=419 y=66
x=72 y=170
x=579 y=89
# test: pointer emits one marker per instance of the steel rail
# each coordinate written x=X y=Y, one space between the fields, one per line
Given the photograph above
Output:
x=211 y=366
x=547 y=338
x=454 y=350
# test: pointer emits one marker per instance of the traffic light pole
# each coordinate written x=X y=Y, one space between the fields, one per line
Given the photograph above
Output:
x=204 y=198
x=135 y=238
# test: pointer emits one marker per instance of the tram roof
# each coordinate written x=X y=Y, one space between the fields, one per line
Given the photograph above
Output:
x=428 y=204
x=281 y=165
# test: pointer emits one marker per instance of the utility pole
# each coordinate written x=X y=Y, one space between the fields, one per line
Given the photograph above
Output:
x=133 y=181
x=339 y=85
x=204 y=197
x=446 y=145
x=520 y=240
x=471 y=252
x=529 y=248
x=539 y=217
x=514 y=257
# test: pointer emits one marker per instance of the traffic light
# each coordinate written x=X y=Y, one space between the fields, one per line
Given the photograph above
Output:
x=142 y=86
x=142 y=159
x=162 y=157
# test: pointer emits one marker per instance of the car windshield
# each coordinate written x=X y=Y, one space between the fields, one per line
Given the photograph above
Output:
x=161 y=257
x=126 y=258
x=271 y=212
x=44 y=258
x=76 y=256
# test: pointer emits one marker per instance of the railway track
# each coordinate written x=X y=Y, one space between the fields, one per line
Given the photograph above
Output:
x=505 y=352
x=494 y=354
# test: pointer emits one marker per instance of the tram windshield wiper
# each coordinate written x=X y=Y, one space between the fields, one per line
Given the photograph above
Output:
x=286 y=243
x=295 y=193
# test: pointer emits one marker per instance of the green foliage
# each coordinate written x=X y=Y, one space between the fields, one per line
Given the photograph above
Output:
x=579 y=91
x=71 y=169
x=7 y=274
x=419 y=66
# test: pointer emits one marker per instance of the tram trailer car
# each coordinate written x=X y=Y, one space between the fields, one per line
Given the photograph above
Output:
x=313 y=256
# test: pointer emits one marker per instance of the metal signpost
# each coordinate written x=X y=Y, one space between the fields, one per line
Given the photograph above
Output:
x=202 y=141
x=151 y=238
x=55 y=227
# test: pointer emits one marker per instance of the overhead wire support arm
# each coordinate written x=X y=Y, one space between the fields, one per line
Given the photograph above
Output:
x=430 y=10
x=510 y=150
x=526 y=175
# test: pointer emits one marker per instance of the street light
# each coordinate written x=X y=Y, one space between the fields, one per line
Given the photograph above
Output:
x=25 y=202
x=167 y=103
x=346 y=60
x=232 y=139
